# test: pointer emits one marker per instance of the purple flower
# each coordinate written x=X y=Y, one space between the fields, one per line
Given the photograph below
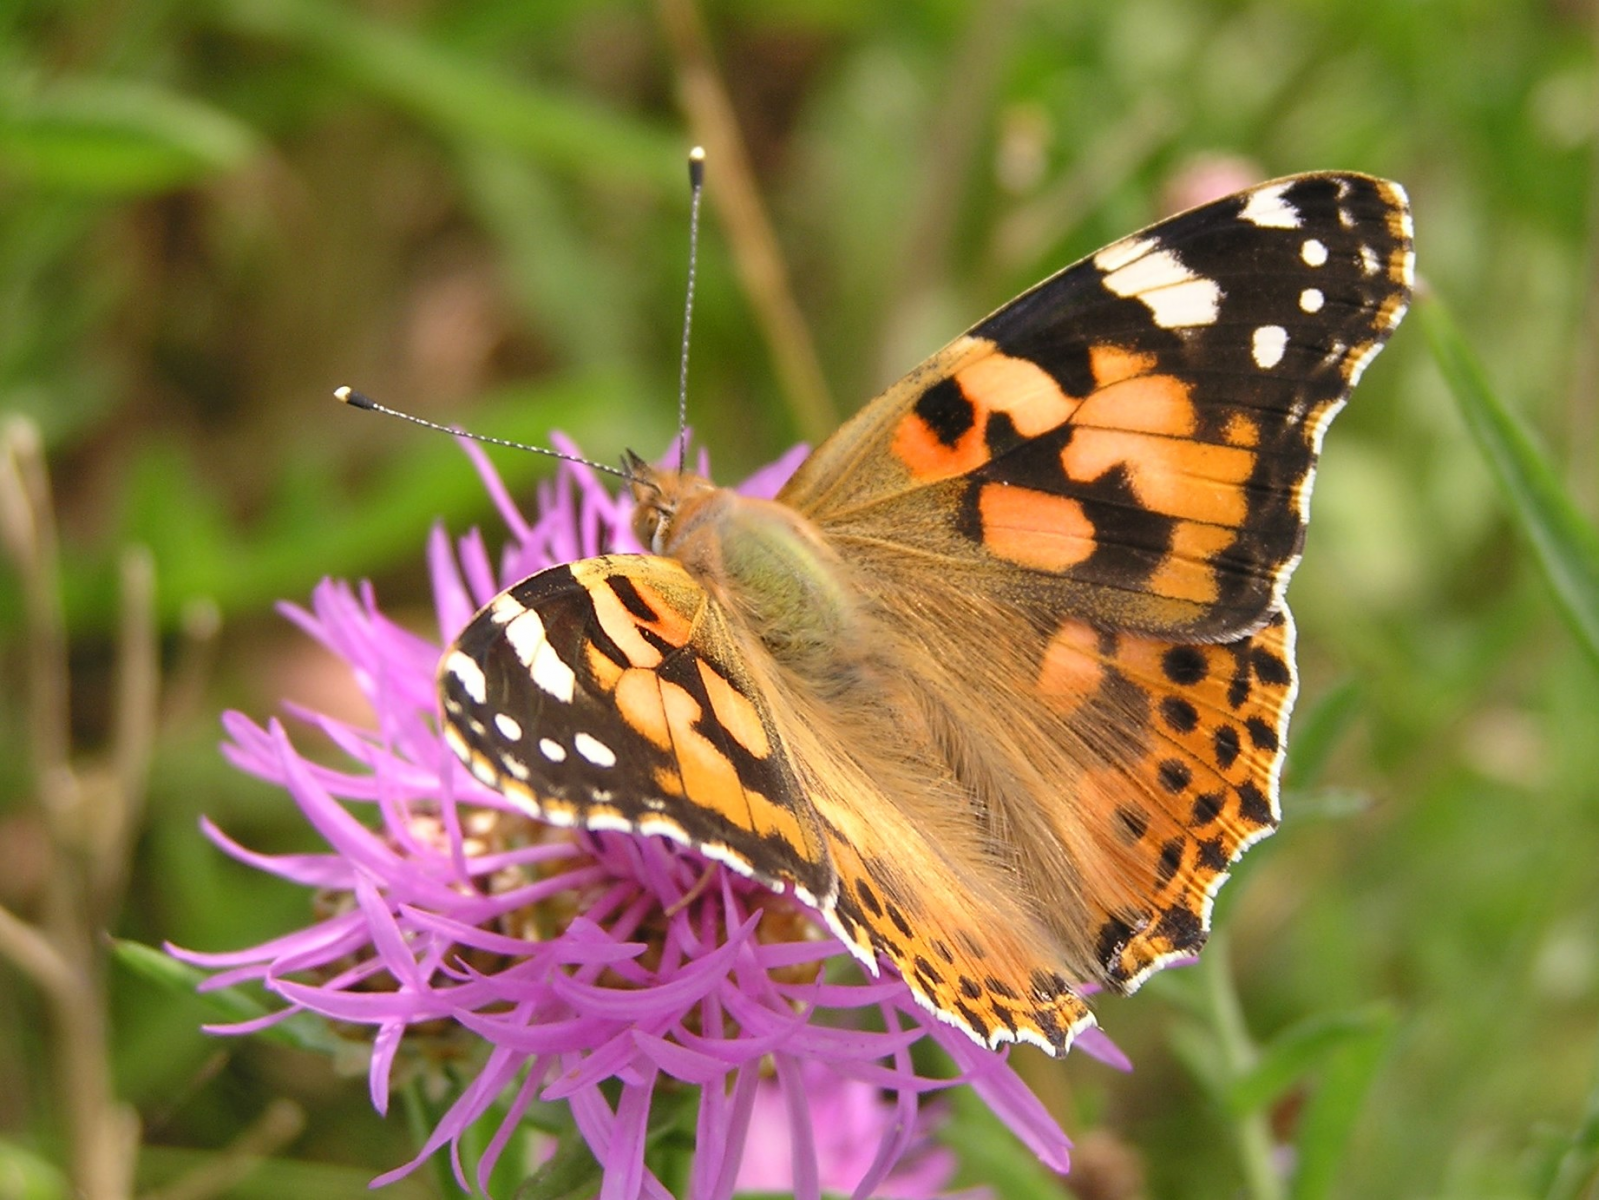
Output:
x=527 y=963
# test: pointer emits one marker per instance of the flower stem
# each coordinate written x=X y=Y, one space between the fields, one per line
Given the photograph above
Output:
x=1251 y=1132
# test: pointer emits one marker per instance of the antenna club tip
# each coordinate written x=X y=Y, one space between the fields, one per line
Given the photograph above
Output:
x=348 y=395
x=696 y=167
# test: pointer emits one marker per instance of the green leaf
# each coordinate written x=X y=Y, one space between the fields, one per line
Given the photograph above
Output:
x=302 y=1030
x=1336 y=1103
x=1299 y=1050
x=26 y=1176
x=118 y=137
x=1563 y=543
x=1318 y=729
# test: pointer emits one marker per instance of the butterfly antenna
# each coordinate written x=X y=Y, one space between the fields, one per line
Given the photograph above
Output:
x=696 y=183
x=357 y=399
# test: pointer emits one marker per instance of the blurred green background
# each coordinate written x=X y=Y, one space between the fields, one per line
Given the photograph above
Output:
x=213 y=213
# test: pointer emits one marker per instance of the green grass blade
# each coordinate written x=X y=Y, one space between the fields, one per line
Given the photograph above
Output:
x=1301 y=1050
x=302 y=1030
x=1336 y=1104
x=1577 y=1169
x=117 y=137
x=464 y=97
x=1564 y=544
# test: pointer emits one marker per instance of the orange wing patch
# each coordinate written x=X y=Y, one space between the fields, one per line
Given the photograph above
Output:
x=1034 y=529
x=1175 y=818
x=945 y=432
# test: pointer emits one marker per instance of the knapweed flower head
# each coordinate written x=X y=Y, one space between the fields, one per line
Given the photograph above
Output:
x=523 y=965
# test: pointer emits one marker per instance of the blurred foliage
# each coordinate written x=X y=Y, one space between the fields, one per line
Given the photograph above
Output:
x=211 y=214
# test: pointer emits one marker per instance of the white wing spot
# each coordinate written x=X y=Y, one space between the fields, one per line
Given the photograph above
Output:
x=1174 y=295
x=596 y=751
x=553 y=675
x=505 y=608
x=525 y=632
x=1346 y=218
x=1269 y=210
x=526 y=635
x=1118 y=254
x=552 y=750
x=468 y=674
x=1368 y=260
x=1269 y=343
x=1313 y=251
x=1311 y=300
x=509 y=726
x=515 y=766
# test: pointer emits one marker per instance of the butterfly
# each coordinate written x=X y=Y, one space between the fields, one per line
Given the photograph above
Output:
x=999 y=682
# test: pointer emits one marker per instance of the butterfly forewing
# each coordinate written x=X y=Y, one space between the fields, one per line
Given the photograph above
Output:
x=609 y=694
x=1134 y=437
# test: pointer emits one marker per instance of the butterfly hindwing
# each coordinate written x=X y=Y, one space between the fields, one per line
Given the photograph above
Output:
x=1198 y=733
x=1134 y=438
x=608 y=694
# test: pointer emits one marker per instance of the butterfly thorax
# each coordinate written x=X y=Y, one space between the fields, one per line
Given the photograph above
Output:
x=760 y=558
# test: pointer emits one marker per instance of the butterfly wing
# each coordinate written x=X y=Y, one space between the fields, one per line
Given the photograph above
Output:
x=1133 y=440
x=610 y=694
x=1084 y=514
x=615 y=693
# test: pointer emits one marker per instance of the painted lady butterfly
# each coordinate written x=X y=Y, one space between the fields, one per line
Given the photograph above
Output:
x=1000 y=681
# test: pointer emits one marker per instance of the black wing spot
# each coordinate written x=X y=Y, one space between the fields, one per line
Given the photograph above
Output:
x=1271 y=668
x=1213 y=855
x=1208 y=807
x=946 y=411
x=868 y=897
x=1174 y=775
x=1182 y=928
x=1134 y=822
x=1226 y=745
x=1179 y=715
x=1262 y=734
x=1113 y=935
x=1000 y=988
x=1171 y=857
x=1184 y=665
x=1253 y=805
x=900 y=923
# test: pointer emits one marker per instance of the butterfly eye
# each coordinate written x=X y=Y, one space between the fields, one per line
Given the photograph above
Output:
x=650 y=521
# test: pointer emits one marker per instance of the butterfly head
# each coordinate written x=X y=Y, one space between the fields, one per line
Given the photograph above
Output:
x=659 y=498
